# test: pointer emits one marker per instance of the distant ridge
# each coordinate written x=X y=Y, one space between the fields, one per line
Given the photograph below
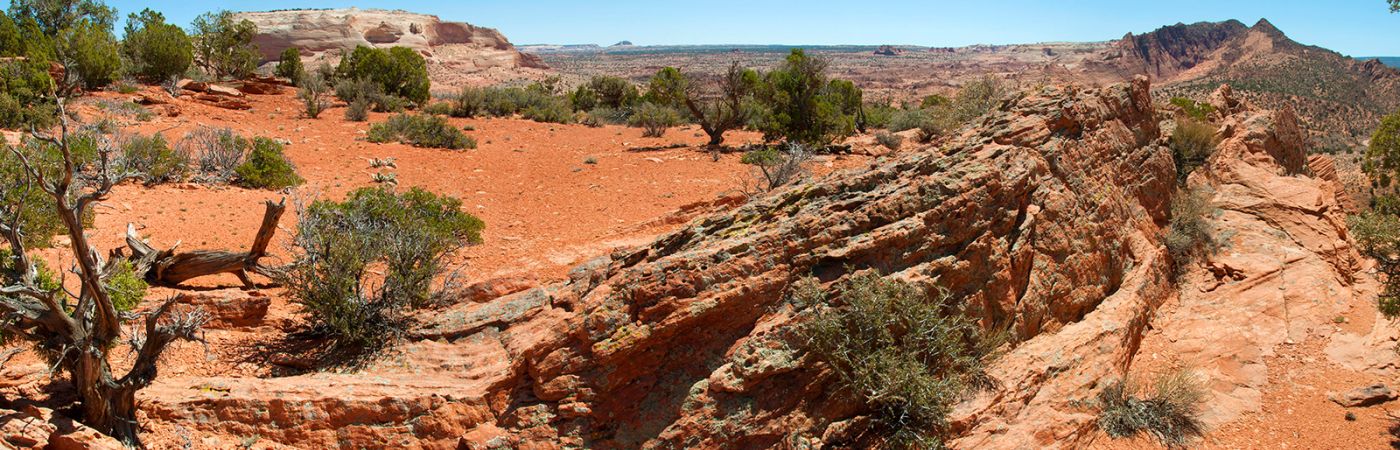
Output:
x=1392 y=61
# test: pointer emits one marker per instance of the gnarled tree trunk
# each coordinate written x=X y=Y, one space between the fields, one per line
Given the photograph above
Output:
x=169 y=268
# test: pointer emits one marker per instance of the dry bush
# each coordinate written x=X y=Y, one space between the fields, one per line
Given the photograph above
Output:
x=910 y=356
x=1192 y=143
x=775 y=168
x=407 y=235
x=218 y=151
x=1190 y=235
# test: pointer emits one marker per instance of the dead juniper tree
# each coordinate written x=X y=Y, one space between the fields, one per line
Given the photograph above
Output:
x=76 y=330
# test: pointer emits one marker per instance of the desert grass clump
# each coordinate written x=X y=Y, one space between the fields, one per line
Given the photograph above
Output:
x=267 y=167
x=1170 y=412
x=364 y=261
x=420 y=131
x=907 y=353
x=889 y=140
x=1192 y=143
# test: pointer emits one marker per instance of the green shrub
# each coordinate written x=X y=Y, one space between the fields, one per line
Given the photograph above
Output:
x=40 y=222
x=934 y=101
x=397 y=71
x=438 y=109
x=407 y=234
x=470 y=102
x=1377 y=234
x=224 y=46
x=802 y=107
x=880 y=115
x=364 y=89
x=1189 y=233
x=126 y=288
x=1192 y=143
x=611 y=92
x=267 y=167
x=889 y=140
x=550 y=110
x=1170 y=413
x=289 y=66
x=96 y=57
x=152 y=157
x=24 y=89
x=158 y=51
x=420 y=131
x=1382 y=161
x=654 y=119
x=1195 y=110
x=908 y=355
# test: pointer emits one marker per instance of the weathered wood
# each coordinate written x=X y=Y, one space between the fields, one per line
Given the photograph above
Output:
x=169 y=268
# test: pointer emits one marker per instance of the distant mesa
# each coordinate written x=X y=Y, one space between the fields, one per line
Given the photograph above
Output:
x=325 y=34
x=623 y=44
x=888 y=50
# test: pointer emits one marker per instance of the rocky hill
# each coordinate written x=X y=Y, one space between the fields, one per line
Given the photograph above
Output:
x=450 y=47
x=1339 y=99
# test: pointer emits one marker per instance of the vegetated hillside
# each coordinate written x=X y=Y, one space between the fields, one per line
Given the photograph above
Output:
x=1339 y=99
x=452 y=48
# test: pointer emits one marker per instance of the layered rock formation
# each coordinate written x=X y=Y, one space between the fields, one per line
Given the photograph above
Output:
x=323 y=34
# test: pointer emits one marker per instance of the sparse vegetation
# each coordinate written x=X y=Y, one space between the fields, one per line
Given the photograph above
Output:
x=907 y=353
x=889 y=140
x=407 y=234
x=267 y=167
x=1192 y=143
x=420 y=131
x=1195 y=110
x=1170 y=412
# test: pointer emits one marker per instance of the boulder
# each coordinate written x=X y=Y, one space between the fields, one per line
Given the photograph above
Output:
x=1364 y=396
x=230 y=308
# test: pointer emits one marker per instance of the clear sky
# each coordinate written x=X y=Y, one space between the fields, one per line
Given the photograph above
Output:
x=1352 y=27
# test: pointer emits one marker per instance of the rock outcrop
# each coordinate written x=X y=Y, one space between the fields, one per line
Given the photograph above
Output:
x=1043 y=218
x=324 y=33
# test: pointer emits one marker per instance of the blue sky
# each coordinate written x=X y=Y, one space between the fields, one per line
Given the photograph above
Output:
x=1352 y=27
